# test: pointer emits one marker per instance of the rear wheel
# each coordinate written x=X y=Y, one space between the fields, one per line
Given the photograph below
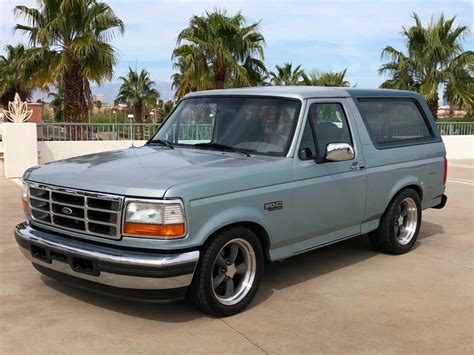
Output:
x=400 y=224
x=228 y=273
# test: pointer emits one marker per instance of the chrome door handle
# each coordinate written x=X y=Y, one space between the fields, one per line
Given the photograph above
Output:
x=357 y=166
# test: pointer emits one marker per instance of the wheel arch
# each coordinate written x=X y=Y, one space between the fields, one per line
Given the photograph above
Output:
x=256 y=228
x=383 y=238
x=409 y=182
x=414 y=186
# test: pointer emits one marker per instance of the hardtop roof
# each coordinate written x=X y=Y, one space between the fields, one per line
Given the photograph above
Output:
x=305 y=92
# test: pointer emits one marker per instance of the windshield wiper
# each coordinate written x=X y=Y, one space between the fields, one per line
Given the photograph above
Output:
x=222 y=147
x=162 y=142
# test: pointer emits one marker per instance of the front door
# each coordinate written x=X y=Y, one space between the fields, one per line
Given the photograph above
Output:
x=329 y=197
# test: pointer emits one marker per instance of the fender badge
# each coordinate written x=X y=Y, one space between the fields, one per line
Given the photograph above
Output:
x=272 y=206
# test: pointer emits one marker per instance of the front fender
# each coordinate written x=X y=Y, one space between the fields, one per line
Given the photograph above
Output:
x=228 y=216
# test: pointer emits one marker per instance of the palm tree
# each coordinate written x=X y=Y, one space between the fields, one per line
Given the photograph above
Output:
x=459 y=90
x=98 y=104
x=57 y=103
x=71 y=46
x=193 y=72
x=330 y=78
x=256 y=73
x=218 y=50
x=13 y=78
x=286 y=75
x=138 y=93
x=434 y=57
x=163 y=109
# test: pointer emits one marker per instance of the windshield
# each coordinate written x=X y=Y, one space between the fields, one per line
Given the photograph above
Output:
x=254 y=124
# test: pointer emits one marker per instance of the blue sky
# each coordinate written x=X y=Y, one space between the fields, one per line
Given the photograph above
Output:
x=328 y=35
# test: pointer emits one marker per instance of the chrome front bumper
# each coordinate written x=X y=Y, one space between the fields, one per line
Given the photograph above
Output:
x=103 y=265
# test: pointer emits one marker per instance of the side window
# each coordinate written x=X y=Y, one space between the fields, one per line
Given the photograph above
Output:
x=330 y=125
x=327 y=123
x=393 y=121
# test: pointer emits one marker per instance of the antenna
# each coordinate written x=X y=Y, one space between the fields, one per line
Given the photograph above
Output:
x=136 y=72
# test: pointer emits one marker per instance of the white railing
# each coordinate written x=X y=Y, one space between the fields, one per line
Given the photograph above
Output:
x=115 y=131
x=456 y=128
x=95 y=131
x=193 y=131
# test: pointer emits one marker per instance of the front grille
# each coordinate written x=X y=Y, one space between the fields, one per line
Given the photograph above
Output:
x=74 y=210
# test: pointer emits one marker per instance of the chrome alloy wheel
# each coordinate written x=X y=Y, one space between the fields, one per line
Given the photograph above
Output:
x=406 y=221
x=234 y=271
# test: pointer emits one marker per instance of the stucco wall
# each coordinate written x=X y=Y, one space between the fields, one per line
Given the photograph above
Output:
x=459 y=147
x=37 y=112
x=18 y=148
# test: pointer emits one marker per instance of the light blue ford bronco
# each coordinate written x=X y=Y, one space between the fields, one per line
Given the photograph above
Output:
x=232 y=179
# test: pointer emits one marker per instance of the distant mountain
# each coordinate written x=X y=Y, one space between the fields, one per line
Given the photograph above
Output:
x=110 y=91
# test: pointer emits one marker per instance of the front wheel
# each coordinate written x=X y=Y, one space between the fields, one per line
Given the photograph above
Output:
x=400 y=224
x=228 y=273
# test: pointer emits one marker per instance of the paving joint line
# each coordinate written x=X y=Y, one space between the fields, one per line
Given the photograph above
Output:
x=465 y=166
x=244 y=336
x=446 y=261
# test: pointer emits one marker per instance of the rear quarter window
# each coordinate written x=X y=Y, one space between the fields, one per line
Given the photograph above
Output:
x=390 y=122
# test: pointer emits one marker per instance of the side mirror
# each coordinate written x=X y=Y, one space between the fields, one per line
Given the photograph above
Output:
x=339 y=152
x=306 y=154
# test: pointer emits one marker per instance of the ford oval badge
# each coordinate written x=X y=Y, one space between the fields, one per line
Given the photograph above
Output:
x=66 y=210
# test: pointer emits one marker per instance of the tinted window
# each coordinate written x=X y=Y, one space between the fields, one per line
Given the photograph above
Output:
x=393 y=121
x=329 y=124
x=257 y=125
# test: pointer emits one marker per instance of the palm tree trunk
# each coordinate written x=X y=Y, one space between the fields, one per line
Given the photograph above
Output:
x=433 y=105
x=220 y=84
x=138 y=116
x=75 y=104
x=220 y=74
x=451 y=111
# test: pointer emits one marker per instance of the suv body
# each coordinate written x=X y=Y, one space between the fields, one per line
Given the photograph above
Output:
x=335 y=163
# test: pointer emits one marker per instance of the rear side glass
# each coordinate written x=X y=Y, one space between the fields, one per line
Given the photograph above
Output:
x=393 y=121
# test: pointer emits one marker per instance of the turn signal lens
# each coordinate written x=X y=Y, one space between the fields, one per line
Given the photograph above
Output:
x=24 y=198
x=155 y=230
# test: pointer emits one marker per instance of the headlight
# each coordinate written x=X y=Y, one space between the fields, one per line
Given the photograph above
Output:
x=24 y=198
x=154 y=220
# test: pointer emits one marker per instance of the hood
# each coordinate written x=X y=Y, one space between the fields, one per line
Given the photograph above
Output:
x=147 y=171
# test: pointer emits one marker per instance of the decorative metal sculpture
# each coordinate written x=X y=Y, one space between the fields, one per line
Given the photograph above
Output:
x=18 y=110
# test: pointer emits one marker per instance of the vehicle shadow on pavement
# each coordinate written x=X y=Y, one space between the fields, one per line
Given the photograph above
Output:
x=172 y=312
x=429 y=229
x=313 y=264
x=325 y=260
x=277 y=276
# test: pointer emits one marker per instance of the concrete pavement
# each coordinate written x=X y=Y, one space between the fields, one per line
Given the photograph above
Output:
x=344 y=298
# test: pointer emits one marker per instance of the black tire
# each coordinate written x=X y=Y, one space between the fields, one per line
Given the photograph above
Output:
x=385 y=237
x=201 y=291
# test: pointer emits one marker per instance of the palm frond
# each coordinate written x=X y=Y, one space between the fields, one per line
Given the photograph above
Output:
x=434 y=57
x=70 y=42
